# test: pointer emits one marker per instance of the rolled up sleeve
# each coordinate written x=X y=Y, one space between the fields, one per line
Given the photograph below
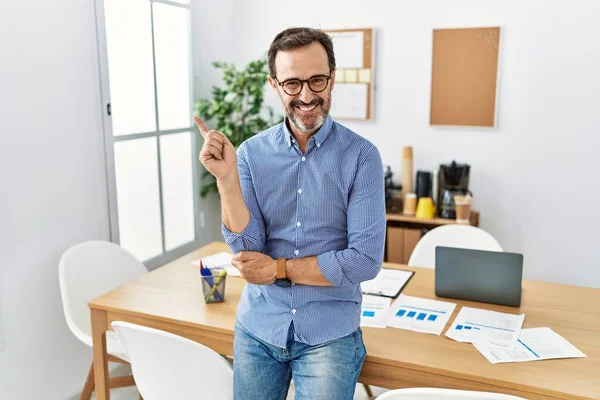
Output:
x=252 y=238
x=361 y=261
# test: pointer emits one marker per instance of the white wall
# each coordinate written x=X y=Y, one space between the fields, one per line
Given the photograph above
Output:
x=213 y=40
x=52 y=178
x=534 y=177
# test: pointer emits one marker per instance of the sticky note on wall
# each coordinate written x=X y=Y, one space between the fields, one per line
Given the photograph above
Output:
x=351 y=75
x=340 y=75
x=364 y=75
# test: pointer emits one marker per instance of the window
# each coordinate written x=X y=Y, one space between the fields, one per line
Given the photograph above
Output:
x=150 y=144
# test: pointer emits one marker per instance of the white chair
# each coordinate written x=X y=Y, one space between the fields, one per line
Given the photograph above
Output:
x=86 y=271
x=167 y=366
x=463 y=236
x=443 y=394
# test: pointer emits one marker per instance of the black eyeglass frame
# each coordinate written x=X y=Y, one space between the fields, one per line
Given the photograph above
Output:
x=302 y=81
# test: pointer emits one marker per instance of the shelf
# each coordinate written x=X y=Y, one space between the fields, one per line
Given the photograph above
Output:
x=427 y=221
x=411 y=220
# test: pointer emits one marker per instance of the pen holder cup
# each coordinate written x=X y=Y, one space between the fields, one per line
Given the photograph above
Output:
x=213 y=287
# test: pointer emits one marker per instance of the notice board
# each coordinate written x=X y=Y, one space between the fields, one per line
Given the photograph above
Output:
x=464 y=77
x=352 y=96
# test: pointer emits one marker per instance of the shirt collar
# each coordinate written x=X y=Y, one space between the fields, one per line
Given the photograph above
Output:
x=319 y=137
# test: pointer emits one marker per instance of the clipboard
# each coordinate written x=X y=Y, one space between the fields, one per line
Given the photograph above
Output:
x=387 y=283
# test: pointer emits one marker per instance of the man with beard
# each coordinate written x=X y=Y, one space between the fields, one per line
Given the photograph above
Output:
x=304 y=211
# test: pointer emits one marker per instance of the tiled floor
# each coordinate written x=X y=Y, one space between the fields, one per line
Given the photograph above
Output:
x=130 y=393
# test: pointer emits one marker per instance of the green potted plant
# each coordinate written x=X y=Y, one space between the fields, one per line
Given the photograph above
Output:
x=237 y=107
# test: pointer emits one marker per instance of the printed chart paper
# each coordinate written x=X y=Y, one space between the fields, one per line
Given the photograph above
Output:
x=496 y=329
x=533 y=344
x=374 y=310
x=420 y=315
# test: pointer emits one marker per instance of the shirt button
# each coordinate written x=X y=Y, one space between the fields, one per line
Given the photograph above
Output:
x=293 y=284
x=303 y=158
x=296 y=252
x=298 y=224
x=300 y=191
x=318 y=144
x=294 y=311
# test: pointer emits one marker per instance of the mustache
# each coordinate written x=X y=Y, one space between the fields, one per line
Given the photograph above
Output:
x=314 y=102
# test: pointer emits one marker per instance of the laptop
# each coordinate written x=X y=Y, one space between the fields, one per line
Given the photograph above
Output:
x=478 y=275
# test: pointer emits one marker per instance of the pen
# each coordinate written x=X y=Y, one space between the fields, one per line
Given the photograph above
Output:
x=206 y=274
x=214 y=288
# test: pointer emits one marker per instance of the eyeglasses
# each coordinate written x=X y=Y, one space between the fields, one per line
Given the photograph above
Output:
x=316 y=83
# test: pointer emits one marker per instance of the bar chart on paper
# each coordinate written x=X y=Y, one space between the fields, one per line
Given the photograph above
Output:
x=374 y=310
x=533 y=344
x=420 y=315
x=500 y=330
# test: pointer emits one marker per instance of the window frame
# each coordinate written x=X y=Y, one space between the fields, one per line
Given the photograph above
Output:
x=110 y=139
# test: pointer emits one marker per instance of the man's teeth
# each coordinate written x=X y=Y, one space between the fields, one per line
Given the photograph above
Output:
x=307 y=108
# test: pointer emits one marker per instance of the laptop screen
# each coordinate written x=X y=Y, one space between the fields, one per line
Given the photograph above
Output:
x=478 y=275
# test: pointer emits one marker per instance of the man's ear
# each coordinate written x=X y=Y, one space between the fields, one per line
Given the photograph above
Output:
x=273 y=84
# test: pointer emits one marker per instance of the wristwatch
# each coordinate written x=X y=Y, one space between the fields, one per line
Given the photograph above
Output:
x=282 y=280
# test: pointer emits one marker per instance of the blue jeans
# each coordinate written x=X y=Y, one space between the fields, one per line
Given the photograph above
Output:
x=326 y=371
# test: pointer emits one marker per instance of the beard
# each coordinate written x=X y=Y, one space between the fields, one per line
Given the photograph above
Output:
x=307 y=124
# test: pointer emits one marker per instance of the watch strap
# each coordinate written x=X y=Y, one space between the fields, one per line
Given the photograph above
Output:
x=281 y=268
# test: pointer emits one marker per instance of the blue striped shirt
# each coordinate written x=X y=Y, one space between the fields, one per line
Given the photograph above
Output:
x=328 y=202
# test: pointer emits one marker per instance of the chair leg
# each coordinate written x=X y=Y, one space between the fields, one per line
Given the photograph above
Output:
x=116 y=359
x=369 y=391
x=86 y=393
x=113 y=383
x=121 y=381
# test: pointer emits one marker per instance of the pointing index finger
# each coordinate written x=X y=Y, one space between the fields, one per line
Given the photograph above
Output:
x=201 y=126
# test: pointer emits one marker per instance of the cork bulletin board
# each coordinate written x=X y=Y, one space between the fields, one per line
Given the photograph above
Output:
x=464 y=77
x=352 y=97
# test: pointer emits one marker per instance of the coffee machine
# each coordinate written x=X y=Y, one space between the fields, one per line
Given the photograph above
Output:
x=453 y=179
x=392 y=204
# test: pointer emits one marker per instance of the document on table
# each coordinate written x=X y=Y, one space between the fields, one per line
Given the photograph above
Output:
x=419 y=315
x=374 y=310
x=496 y=329
x=388 y=282
x=533 y=344
x=219 y=260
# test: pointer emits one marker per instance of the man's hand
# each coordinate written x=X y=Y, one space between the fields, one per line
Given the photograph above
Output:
x=217 y=154
x=256 y=267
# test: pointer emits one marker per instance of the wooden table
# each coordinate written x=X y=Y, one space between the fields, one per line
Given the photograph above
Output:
x=170 y=298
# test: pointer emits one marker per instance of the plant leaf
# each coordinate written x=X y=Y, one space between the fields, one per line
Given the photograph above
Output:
x=237 y=107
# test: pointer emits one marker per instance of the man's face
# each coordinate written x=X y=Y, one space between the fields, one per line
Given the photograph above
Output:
x=306 y=110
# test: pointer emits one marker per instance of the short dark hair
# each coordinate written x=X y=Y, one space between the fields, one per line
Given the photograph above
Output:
x=293 y=38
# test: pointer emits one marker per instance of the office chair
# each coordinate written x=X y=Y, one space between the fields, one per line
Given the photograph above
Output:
x=86 y=271
x=443 y=394
x=167 y=366
x=463 y=236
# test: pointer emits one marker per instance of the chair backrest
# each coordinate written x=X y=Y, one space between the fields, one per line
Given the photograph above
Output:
x=443 y=394
x=167 y=366
x=88 y=270
x=463 y=236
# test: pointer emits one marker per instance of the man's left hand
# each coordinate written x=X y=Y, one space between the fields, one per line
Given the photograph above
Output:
x=255 y=267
